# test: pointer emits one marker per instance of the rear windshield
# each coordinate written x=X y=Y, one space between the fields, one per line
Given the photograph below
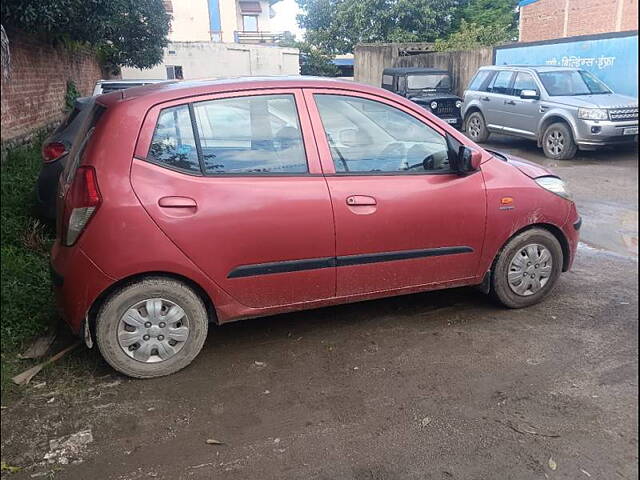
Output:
x=81 y=140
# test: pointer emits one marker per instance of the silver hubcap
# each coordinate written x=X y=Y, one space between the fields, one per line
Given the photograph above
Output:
x=153 y=330
x=530 y=269
x=555 y=142
x=474 y=127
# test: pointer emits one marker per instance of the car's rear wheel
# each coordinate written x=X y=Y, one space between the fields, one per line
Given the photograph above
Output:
x=558 y=143
x=527 y=268
x=477 y=128
x=151 y=328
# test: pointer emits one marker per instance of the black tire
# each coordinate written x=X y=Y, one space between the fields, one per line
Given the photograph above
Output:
x=476 y=127
x=558 y=143
x=109 y=327
x=503 y=292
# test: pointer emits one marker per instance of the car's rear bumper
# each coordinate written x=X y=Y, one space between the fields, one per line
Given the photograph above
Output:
x=77 y=283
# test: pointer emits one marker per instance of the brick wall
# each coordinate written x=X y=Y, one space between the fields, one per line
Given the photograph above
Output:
x=549 y=19
x=33 y=96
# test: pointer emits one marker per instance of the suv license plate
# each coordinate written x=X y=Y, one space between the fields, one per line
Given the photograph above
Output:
x=630 y=131
x=455 y=120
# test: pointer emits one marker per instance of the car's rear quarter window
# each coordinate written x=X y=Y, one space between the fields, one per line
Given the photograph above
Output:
x=173 y=142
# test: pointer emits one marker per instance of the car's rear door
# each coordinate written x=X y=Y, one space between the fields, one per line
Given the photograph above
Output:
x=523 y=114
x=496 y=99
x=235 y=182
x=398 y=224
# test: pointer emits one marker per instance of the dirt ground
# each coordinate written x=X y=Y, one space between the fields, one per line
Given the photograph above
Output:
x=442 y=385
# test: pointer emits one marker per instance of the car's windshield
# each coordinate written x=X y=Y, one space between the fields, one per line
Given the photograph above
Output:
x=572 y=82
x=427 y=82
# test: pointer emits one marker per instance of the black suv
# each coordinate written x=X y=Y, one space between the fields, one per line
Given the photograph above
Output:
x=428 y=87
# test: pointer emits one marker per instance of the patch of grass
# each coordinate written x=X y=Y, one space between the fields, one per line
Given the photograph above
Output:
x=27 y=306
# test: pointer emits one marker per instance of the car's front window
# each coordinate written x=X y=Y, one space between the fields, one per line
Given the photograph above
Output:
x=572 y=82
x=429 y=82
x=371 y=137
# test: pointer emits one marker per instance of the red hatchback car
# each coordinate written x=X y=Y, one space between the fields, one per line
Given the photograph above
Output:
x=185 y=203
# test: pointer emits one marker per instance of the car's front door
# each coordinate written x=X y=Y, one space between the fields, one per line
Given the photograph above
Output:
x=521 y=115
x=231 y=180
x=403 y=219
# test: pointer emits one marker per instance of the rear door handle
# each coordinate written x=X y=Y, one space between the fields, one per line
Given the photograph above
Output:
x=509 y=102
x=360 y=200
x=177 y=202
x=484 y=99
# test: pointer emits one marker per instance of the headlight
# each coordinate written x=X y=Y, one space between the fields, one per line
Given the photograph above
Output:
x=593 y=114
x=433 y=105
x=459 y=104
x=555 y=185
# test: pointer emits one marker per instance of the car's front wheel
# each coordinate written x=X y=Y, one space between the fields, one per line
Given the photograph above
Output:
x=527 y=268
x=558 y=143
x=151 y=328
x=476 y=127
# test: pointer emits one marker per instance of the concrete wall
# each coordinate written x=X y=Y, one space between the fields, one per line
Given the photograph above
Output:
x=550 y=19
x=33 y=97
x=190 y=21
x=371 y=59
x=462 y=64
x=211 y=60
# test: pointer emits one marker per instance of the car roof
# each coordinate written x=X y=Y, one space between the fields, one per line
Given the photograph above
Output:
x=407 y=70
x=535 y=68
x=173 y=90
x=130 y=81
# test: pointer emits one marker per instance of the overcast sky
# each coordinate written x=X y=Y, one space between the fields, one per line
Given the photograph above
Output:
x=285 y=18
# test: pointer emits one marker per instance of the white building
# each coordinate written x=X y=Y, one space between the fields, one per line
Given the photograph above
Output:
x=220 y=38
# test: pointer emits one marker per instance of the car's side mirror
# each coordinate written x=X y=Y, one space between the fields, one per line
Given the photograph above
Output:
x=468 y=160
x=529 y=95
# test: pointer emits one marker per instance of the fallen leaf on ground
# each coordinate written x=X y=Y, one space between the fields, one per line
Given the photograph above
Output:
x=552 y=464
x=213 y=441
x=425 y=421
x=585 y=472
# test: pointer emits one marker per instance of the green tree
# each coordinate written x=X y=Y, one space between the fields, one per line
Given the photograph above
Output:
x=482 y=23
x=125 y=32
x=313 y=61
x=336 y=26
x=472 y=35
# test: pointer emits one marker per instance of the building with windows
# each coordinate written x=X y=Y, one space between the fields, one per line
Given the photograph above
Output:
x=227 y=21
x=220 y=38
x=551 y=19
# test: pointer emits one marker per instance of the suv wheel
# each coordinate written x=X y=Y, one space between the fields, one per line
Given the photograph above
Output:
x=477 y=128
x=557 y=142
x=527 y=268
x=151 y=328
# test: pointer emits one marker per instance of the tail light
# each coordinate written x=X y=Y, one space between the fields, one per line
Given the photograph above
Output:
x=80 y=204
x=53 y=151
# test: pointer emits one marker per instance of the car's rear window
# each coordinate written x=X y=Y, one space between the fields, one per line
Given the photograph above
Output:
x=256 y=134
x=81 y=140
x=480 y=80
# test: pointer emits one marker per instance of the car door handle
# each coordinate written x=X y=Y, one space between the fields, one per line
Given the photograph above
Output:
x=484 y=99
x=177 y=202
x=509 y=102
x=360 y=200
